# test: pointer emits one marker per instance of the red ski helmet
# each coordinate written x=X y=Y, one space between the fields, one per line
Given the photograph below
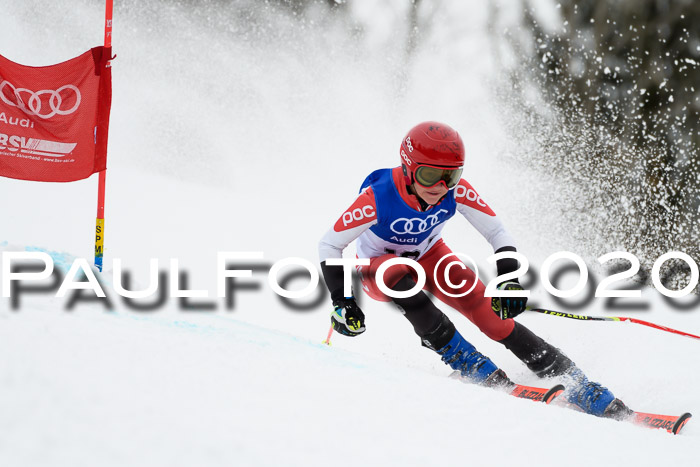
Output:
x=433 y=144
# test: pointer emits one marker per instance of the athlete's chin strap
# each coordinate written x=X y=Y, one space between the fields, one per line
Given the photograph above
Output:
x=423 y=205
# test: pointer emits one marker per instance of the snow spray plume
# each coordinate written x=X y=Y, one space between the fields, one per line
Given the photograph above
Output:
x=605 y=96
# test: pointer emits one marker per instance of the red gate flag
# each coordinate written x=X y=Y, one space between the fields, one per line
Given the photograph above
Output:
x=54 y=120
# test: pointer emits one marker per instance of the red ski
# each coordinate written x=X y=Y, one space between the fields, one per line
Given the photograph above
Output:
x=537 y=394
x=522 y=392
x=671 y=423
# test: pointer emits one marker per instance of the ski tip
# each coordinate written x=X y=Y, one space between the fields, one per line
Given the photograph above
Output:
x=680 y=423
x=550 y=395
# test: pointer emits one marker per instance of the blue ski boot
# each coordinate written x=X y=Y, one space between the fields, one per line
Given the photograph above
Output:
x=461 y=356
x=593 y=398
x=547 y=361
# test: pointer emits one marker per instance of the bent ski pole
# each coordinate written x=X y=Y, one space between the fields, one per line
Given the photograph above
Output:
x=611 y=318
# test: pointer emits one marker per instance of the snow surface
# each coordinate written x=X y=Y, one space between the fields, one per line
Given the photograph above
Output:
x=252 y=135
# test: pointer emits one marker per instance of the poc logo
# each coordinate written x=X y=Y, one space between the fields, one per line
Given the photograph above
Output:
x=405 y=158
x=358 y=214
x=409 y=145
x=470 y=194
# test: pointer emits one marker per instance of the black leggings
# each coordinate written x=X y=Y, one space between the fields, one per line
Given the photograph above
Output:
x=435 y=330
x=419 y=309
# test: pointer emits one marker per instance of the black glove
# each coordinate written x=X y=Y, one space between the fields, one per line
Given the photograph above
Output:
x=509 y=307
x=347 y=318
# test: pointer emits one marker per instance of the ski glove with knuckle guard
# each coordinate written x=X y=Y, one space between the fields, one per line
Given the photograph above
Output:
x=509 y=307
x=347 y=318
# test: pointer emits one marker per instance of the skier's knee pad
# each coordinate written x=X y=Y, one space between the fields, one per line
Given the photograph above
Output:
x=440 y=336
x=542 y=358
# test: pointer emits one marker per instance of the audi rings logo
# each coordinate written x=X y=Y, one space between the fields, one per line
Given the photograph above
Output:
x=43 y=104
x=415 y=225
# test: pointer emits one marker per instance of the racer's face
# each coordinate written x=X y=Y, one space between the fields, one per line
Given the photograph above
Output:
x=430 y=195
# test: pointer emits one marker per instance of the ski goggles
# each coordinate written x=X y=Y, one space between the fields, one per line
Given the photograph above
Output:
x=429 y=176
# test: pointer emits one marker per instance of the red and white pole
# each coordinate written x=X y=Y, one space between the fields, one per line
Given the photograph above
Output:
x=100 y=223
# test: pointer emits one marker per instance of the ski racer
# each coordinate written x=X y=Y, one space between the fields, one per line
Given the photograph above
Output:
x=401 y=212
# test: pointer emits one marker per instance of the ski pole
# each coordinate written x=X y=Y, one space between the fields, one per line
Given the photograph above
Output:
x=328 y=339
x=611 y=318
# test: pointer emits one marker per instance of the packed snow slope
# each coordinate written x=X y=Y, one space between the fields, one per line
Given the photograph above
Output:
x=236 y=128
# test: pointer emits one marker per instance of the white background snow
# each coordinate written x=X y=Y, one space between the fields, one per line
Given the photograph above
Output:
x=250 y=135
